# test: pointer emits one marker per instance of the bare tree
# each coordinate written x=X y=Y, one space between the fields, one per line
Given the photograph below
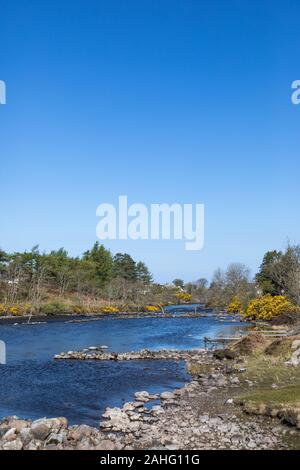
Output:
x=286 y=273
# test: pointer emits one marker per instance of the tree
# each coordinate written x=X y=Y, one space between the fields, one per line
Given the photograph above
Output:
x=26 y=276
x=198 y=290
x=279 y=273
x=234 y=282
x=103 y=262
x=33 y=276
x=124 y=267
x=202 y=283
x=286 y=274
x=60 y=269
x=178 y=283
x=237 y=280
x=216 y=290
x=238 y=284
x=143 y=274
x=84 y=279
x=4 y=260
x=265 y=277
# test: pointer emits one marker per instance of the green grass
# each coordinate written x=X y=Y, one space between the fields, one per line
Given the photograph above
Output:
x=266 y=371
x=265 y=368
x=281 y=396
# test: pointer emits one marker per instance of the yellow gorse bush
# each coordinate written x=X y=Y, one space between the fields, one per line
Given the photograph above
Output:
x=152 y=308
x=3 y=309
x=184 y=296
x=268 y=306
x=235 y=306
x=109 y=309
x=15 y=310
x=78 y=309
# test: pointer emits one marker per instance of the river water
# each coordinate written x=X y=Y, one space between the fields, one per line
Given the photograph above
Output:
x=33 y=385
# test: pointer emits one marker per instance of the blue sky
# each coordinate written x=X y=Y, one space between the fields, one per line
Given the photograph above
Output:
x=165 y=101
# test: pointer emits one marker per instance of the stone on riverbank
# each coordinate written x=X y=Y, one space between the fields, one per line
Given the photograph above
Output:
x=144 y=354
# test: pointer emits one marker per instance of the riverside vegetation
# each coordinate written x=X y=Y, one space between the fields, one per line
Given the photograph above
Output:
x=35 y=283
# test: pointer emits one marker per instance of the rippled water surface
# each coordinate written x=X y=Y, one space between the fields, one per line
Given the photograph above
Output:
x=33 y=385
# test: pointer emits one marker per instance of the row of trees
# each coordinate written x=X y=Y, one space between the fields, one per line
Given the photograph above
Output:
x=278 y=275
x=32 y=275
x=235 y=281
x=98 y=275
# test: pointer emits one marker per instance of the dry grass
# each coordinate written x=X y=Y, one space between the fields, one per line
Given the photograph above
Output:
x=266 y=370
x=250 y=344
x=197 y=368
x=276 y=385
x=280 y=348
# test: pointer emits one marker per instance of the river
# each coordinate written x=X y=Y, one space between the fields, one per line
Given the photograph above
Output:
x=33 y=385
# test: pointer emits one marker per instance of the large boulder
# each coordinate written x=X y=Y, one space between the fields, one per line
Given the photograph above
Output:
x=167 y=396
x=13 y=445
x=142 y=396
x=10 y=435
x=40 y=430
x=26 y=435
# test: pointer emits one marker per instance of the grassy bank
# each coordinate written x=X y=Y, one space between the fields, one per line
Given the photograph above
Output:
x=270 y=382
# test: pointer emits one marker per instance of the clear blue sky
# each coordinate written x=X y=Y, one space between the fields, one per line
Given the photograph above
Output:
x=165 y=101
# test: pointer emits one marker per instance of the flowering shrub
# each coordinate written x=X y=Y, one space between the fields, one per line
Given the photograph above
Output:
x=235 y=306
x=78 y=309
x=109 y=309
x=268 y=306
x=184 y=296
x=26 y=308
x=90 y=309
x=152 y=308
x=3 y=309
x=15 y=310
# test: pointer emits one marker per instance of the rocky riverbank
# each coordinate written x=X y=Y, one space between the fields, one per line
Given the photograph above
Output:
x=184 y=419
x=96 y=316
x=205 y=414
